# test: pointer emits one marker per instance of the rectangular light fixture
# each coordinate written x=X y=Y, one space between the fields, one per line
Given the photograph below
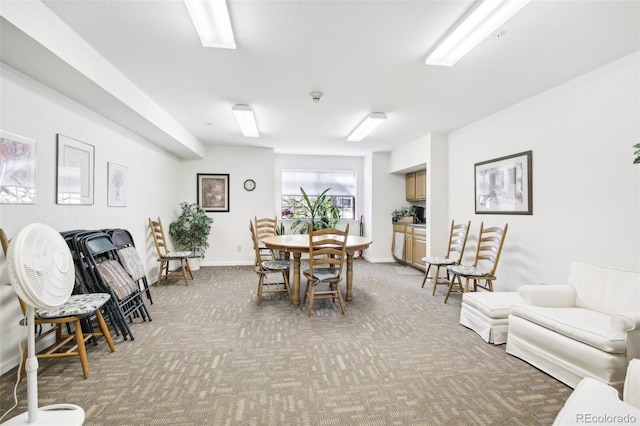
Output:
x=485 y=18
x=367 y=126
x=212 y=22
x=246 y=120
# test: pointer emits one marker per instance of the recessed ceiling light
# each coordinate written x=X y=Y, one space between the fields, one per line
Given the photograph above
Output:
x=246 y=120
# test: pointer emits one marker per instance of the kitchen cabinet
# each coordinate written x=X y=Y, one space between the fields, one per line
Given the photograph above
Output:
x=409 y=245
x=416 y=186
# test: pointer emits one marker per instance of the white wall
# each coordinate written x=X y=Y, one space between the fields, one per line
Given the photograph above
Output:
x=586 y=191
x=230 y=240
x=34 y=111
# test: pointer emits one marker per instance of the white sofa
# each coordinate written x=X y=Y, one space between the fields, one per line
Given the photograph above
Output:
x=593 y=402
x=589 y=327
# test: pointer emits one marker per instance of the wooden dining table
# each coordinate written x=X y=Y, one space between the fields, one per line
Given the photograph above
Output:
x=299 y=243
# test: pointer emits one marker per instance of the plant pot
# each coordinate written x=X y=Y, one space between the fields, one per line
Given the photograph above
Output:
x=406 y=219
x=194 y=263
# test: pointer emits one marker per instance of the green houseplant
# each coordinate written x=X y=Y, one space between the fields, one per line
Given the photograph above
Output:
x=190 y=231
x=408 y=211
x=319 y=211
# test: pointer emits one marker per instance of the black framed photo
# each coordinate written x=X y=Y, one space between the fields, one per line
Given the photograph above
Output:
x=504 y=185
x=213 y=192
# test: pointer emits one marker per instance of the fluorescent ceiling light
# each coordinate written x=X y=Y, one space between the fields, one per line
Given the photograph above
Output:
x=246 y=120
x=371 y=122
x=212 y=22
x=488 y=16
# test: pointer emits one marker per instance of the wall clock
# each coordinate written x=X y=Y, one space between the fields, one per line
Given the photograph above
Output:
x=249 y=184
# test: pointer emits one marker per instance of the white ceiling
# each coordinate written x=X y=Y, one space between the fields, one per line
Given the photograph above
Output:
x=365 y=56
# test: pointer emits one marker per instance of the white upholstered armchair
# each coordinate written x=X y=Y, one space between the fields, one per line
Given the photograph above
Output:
x=589 y=327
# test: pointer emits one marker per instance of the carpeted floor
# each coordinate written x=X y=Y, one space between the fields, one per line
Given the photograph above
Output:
x=212 y=356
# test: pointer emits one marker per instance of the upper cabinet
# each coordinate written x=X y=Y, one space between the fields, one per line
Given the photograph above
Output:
x=417 y=186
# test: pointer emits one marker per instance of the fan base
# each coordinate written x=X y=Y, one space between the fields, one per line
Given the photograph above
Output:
x=57 y=414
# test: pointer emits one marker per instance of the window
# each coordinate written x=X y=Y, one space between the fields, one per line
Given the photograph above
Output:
x=314 y=182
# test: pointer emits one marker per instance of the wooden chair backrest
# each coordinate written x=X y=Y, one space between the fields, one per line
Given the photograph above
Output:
x=265 y=227
x=490 y=241
x=158 y=237
x=327 y=248
x=458 y=239
x=256 y=246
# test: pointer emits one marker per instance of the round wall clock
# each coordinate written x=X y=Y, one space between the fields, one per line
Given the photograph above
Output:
x=249 y=184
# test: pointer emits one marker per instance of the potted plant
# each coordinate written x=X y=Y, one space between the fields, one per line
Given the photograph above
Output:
x=319 y=211
x=190 y=231
x=404 y=214
x=636 y=159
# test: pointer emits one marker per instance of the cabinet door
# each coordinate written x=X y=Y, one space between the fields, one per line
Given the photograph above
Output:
x=408 y=248
x=421 y=185
x=397 y=243
x=419 y=249
x=411 y=186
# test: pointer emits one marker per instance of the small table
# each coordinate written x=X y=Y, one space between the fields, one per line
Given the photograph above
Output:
x=299 y=243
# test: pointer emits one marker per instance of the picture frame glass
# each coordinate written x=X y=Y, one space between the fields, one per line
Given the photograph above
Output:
x=504 y=185
x=17 y=169
x=213 y=192
x=75 y=179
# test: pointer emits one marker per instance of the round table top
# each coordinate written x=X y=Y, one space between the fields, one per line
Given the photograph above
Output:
x=300 y=242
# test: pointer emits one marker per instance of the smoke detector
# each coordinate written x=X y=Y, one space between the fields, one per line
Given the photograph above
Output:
x=315 y=96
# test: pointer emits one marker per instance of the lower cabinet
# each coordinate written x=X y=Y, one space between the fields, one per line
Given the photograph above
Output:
x=409 y=245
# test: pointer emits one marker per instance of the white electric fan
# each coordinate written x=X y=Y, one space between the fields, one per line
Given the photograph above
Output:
x=41 y=271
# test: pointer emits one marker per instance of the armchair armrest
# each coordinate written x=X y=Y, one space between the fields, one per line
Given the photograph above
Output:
x=625 y=321
x=553 y=296
x=595 y=402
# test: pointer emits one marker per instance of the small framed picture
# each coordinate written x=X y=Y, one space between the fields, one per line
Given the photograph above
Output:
x=504 y=185
x=75 y=171
x=213 y=192
x=116 y=185
x=17 y=169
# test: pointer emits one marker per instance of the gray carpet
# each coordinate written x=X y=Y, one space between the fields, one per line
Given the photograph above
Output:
x=212 y=356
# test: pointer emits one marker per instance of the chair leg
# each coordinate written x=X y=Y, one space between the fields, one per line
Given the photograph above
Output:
x=340 y=298
x=426 y=275
x=313 y=291
x=160 y=273
x=285 y=277
x=454 y=277
x=435 y=280
x=189 y=268
x=105 y=330
x=306 y=292
x=260 y=284
x=184 y=270
x=82 y=350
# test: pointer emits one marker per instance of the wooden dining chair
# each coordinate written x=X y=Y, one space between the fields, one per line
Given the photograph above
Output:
x=327 y=253
x=69 y=315
x=265 y=227
x=457 y=242
x=165 y=257
x=488 y=250
x=265 y=267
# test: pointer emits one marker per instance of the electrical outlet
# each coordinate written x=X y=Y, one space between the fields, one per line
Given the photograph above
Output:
x=239 y=248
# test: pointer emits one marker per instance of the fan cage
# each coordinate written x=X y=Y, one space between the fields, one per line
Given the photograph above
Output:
x=40 y=266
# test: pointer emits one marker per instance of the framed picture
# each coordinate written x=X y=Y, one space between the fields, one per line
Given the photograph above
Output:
x=213 y=192
x=504 y=185
x=17 y=169
x=75 y=171
x=116 y=185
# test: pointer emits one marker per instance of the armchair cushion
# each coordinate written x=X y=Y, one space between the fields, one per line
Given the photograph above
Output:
x=584 y=325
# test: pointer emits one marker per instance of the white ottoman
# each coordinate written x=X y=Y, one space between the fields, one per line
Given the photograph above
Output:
x=487 y=313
